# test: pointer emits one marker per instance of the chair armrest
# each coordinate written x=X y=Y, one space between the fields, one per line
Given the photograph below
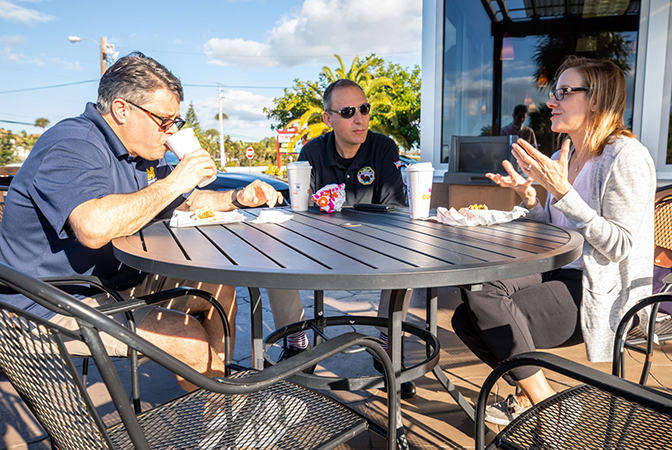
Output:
x=633 y=392
x=91 y=280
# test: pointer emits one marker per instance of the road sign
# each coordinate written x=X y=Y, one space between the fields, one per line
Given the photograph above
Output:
x=249 y=153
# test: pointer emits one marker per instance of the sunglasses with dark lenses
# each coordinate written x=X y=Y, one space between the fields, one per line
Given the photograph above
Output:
x=559 y=93
x=166 y=123
x=349 y=111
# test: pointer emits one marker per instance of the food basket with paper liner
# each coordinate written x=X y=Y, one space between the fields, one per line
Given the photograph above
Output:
x=470 y=218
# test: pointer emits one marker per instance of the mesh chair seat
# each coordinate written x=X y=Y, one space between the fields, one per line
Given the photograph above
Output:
x=604 y=412
x=248 y=410
x=587 y=417
x=204 y=419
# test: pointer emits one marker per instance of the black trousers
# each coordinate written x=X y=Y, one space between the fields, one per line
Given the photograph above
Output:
x=519 y=315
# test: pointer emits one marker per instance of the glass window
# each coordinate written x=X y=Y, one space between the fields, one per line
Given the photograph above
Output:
x=467 y=72
x=528 y=77
x=505 y=94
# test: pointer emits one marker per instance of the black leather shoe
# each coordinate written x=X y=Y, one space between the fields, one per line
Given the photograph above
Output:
x=407 y=388
x=290 y=351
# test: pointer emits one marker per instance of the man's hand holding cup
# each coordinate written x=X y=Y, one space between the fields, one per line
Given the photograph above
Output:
x=185 y=144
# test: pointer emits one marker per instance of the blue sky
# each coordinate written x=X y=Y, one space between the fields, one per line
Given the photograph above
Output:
x=253 y=48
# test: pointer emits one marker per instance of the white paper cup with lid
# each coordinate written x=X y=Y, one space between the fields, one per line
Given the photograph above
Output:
x=419 y=177
x=299 y=173
x=184 y=142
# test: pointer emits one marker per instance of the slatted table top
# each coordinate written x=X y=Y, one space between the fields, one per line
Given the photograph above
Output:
x=348 y=250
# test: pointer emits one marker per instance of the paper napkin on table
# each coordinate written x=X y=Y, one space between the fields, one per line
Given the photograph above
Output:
x=272 y=216
x=185 y=218
x=469 y=218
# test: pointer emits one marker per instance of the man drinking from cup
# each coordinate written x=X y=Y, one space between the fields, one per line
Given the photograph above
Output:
x=103 y=175
x=368 y=164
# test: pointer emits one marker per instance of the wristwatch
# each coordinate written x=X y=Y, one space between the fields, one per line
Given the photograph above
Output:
x=234 y=198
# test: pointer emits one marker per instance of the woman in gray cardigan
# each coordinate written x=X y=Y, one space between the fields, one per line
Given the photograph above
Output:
x=602 y=184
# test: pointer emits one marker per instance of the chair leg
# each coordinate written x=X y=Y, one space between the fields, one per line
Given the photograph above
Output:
x=318 y=311
x=85 y=370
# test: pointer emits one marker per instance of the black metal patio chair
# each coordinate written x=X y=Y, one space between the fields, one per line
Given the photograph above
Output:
x=94 y=284
x=657 y=330
x=605 y=412
x=248 y=410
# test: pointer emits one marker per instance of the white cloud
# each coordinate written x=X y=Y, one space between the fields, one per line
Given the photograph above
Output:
x=65 y=64
x=11 y=11
x=324 y=27
x=8 y=54
x=11 y=40
x=244 y=109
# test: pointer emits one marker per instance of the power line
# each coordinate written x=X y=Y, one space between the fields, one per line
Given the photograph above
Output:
x=48 y=87
x=19 y=123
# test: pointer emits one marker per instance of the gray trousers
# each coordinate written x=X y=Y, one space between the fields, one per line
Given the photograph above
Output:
x=519 y=315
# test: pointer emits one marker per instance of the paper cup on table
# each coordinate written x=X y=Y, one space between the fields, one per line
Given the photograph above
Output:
x=299 y=184
x=184 y=142
x=419 y=177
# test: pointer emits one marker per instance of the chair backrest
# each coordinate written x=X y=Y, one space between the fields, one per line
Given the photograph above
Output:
x=36 y=364
x=663 y=226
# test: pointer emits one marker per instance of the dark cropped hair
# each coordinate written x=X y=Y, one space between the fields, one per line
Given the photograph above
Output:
x=519 y=109
x=135 y=77
x=338 y=84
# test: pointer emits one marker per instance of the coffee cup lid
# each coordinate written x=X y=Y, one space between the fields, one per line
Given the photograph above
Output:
x=419 y=167
x=298 y=164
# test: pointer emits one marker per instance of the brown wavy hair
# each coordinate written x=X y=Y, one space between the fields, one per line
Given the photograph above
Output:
x=606 y=83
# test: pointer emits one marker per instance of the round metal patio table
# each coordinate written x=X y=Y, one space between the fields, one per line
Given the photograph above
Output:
x=350 y=250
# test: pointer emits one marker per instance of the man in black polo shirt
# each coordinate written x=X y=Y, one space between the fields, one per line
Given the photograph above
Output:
x=368 y=164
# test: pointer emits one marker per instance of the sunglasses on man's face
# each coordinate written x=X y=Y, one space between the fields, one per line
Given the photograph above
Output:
x=166 y=123
x=349 y=111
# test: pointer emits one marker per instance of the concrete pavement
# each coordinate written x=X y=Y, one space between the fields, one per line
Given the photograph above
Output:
x=432 y=419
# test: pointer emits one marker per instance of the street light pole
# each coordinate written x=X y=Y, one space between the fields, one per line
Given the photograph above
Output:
x=222 y=157
x=106 y=50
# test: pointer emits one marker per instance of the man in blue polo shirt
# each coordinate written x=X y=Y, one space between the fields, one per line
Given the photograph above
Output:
x=103 y=175
x=368 y=164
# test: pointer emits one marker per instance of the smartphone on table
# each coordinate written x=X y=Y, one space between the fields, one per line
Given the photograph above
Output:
x=373 y=208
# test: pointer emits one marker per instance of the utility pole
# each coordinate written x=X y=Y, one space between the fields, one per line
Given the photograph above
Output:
x=222 y=157
x=107 y=53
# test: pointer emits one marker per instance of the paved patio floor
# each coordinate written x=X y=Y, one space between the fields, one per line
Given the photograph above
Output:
x=432 y=419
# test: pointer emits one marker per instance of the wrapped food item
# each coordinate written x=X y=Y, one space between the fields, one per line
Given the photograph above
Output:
x=467 y=217
x=204 y=213
x=330 y=198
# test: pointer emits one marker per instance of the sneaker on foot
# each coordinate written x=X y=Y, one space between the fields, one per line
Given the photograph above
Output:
x=503 y=413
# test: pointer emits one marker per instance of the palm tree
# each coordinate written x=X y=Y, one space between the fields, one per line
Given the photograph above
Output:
x=310 y=123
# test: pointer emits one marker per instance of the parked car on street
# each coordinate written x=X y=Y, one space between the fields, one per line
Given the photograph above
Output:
x=232 y=180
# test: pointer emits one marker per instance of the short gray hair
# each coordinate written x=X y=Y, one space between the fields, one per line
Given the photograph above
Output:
x=135 y=77
x=338 y=84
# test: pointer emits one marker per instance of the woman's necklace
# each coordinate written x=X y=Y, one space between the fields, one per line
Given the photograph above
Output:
x=578 y=162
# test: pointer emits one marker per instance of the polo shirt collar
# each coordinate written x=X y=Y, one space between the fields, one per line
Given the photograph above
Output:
x=113 y=141
x=363 y=155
